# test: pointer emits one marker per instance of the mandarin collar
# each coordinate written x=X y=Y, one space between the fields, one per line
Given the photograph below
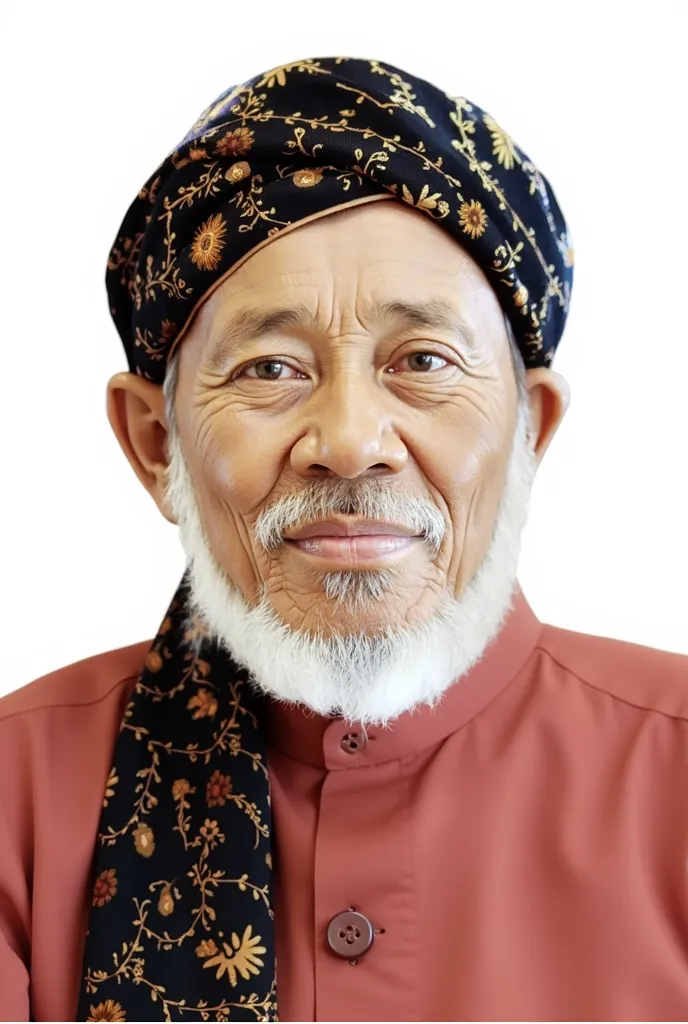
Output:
x=335 y=745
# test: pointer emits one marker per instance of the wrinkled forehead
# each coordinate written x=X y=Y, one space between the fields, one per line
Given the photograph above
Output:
x=373 y=265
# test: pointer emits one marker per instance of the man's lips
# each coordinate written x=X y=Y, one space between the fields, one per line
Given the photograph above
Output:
x=352 y=528
x=353 y=542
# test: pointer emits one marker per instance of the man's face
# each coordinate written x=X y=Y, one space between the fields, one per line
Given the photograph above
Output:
x=362 y=354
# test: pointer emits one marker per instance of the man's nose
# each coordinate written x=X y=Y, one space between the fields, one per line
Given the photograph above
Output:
x=349 y=433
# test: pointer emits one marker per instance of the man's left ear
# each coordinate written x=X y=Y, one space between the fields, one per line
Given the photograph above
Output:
x=136 y=410
x=548 y=396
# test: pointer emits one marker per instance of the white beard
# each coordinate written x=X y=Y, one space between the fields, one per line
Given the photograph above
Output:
x=370 y=678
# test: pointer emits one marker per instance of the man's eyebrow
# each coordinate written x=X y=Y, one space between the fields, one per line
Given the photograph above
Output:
x=248 y=325
x=434 y=313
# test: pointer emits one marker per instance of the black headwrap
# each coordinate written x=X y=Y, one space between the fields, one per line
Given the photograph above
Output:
x=312 y=136
x=181 y=920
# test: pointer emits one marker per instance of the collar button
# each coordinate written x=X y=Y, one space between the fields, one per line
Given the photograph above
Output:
x=352 y=742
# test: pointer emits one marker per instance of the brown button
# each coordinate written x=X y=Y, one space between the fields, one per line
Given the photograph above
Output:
x=350 y=934
x=352 y=742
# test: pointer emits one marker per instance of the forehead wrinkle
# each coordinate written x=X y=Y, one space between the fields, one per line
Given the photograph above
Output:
x=249 y=325
x=434 y=313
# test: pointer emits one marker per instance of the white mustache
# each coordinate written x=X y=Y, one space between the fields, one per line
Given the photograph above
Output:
x=364 y=498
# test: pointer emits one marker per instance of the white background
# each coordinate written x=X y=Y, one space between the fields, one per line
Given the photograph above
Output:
x=94 y=97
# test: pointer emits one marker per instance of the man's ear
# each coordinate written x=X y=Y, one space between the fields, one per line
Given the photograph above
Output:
x=548 y=397
x=136 y=410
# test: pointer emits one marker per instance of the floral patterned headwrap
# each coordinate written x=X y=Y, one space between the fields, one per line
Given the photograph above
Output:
x=181 y=921
x=311 y=137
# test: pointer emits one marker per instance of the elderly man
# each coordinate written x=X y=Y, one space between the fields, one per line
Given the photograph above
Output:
x=353 y=778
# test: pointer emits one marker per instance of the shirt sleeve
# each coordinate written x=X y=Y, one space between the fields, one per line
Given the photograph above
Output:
x=15 y=904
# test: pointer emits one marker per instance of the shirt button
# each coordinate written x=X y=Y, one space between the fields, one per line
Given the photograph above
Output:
x=352 y=742
x=350 y=934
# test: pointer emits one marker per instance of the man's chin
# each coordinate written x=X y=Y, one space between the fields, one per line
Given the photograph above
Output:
x=352 y=614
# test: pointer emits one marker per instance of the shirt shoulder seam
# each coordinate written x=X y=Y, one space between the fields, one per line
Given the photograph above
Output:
x=70 y=704
x=674 y=716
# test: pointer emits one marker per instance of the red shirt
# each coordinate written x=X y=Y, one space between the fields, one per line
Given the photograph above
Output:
x=522 y=849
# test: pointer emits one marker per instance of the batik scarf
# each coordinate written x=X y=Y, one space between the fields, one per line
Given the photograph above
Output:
x=181 y=919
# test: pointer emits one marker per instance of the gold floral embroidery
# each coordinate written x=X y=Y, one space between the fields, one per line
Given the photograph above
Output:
x=166 y=902
x=218 y=789
x=113 y=779
x=566 y=249
x=210 y=831
x=306 y=179
x=180 y=787
x=238 y=171
x=278 y=75
x=105 y=887
x=235 y=143
x=473 y=218
x=189 y=904
x=208 y=243
x=521 y=295
x=206 y=948
x=107 y=1010
x=233 y=124
x=205 y=704
x=144 y=840
x=425 y=201
x=167 y=332
x=154 y=661
x=503 y=146
x=242 y=956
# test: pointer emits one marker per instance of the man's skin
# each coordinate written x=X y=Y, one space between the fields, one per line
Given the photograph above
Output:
x=393 y=363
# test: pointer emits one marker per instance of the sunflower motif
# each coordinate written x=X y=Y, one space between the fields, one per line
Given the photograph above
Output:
x=307 y=179
x=218 y=789
x=235 y=143
x=242 y=956
x=144 y=840
x=209 y=242
x=473 y=218
x=105 y=887
x=503 y=146
x=109 y=1010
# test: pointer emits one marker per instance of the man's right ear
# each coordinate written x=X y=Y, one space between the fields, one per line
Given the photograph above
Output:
x=136 y=410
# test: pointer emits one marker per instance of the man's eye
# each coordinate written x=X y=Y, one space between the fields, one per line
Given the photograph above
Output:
x=267 y=369
x=422 y=362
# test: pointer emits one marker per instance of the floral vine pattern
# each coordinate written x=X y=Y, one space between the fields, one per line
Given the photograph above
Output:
x=313 y=135
x=181 y=918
